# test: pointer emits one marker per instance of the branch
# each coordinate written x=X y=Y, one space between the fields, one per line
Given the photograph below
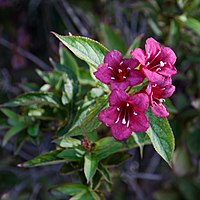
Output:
x=25 y=54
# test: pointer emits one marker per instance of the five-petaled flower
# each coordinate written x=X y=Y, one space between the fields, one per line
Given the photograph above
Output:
x=157 y=94
x=118 y=72
x=156 y=62
x=125 y=113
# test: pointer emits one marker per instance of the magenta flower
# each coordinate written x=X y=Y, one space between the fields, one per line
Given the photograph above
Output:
x=156 y=94
x=118 y=72
x=156 y=62
x=125 y=114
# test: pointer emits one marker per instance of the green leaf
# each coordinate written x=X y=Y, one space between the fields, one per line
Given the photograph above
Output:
x=48 y=158
x=70 y=79
x=88 y=194
x=154 y=26
x=13 y=131
x=96 y=181
x=70 y=189
x=161 y=136
x=10 y=114
x=68 y=142
x=106 y=147
x=191 y=23
x=135 y=44
x=104 y=172
x=84 y=48
x=34 y=129
x=86 y=78
x=90 y=166
x=69 y=168
x=68 y=60
x=131 y=143
x=43 y=98
x=138 y=140
x=111 y=39
x=88 y=119
x=71 y=154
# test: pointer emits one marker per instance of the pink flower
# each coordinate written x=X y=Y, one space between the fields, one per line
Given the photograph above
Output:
x=156 y=62
x=118 y=72
x=156 y=94
x=125 y=114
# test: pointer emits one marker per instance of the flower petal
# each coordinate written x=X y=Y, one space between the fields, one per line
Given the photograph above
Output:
x=169 y=55
x=108 y=116
x=120 y=131
x=117 y=96
x=139 y=122
x=119 y=85
x=140 y=102
x=153 y=77
x=103 y=73
x=135 y=77
x=159 y=110
x=168 y=70
x=139 y=55
x=113 y=58
x=129 y=62
x=167 y=91
x=152 y=47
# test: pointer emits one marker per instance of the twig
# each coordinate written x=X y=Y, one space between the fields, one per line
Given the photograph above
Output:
x=74 y=18
x=25 y=54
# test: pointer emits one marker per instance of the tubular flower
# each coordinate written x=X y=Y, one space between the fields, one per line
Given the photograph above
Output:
x=156 y=62
x=125 y=113
x=118 y=72
x=157 y=95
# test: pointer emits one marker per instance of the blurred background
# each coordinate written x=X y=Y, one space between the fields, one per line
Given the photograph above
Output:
x=26 y=45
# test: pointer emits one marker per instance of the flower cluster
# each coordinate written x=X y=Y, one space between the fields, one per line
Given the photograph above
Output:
x=126 y=112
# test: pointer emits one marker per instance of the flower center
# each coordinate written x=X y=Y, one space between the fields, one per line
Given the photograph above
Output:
x=119 y=74
x=155 y=64
x=125 y=111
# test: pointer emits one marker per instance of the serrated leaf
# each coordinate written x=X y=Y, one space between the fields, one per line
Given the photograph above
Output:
x=48 y=158
x=43 y=98
x=71 y=154
x=90 y=165
x=88 y=120
x=106 y=147
x=13 y=131
x=161 y=136
x=84 y=48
